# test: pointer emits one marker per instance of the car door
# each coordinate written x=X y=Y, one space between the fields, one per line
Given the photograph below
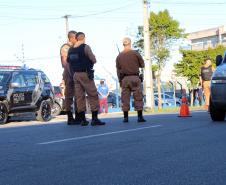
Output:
x=31 y=79
x=18 y=87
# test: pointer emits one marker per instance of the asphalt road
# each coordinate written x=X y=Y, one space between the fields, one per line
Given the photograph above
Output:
x=166 y=150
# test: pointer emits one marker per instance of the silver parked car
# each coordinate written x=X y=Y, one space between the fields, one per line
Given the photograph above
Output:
x=167 y=100
x=217 y=106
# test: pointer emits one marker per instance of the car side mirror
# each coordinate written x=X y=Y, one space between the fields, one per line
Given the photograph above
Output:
x=14 y=85
x=219 y=59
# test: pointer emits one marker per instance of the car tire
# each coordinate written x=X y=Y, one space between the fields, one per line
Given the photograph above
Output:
x=3 y=113
x=44 y=113
x=216 y=114
x=56 y=110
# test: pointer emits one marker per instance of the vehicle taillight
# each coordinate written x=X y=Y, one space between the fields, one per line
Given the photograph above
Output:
x=59 y=95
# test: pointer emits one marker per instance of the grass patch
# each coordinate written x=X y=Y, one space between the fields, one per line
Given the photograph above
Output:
x=171 y=110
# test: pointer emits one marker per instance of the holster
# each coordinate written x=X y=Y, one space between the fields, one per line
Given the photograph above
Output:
x=121 y=76
x=141 y=77
x=90 y=73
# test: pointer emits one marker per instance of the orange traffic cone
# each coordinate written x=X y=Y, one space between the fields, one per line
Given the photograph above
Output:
x=184 y=109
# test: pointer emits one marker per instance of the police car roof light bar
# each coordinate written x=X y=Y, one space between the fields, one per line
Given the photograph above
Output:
x=3 y=67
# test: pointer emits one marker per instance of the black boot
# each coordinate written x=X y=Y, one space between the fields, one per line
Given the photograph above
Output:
x=83 y=121
x=77 y=118
x=126 y=117
x=70 y=119
x=95 y=121
x=140 y=116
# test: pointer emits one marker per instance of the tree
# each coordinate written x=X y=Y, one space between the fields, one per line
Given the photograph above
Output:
x=164 y=31
x=192 y=61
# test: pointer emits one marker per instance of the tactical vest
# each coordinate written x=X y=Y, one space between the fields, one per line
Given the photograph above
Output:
x=78 y=60
x=206 y=73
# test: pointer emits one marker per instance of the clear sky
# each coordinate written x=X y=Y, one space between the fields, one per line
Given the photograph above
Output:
x=39 y=26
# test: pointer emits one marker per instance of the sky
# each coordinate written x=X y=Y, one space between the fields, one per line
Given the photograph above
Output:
x=36 y=29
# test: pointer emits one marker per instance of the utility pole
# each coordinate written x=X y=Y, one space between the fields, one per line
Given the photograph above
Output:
x=147 y=57
x=66 y=23
x=23 y=57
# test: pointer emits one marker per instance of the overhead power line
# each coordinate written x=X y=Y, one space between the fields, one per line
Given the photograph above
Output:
x=103 y=12
x=189 y=3
x=71 y=16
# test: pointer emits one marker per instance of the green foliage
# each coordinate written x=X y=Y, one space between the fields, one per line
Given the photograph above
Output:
x=155 y=68
x=164 y=30
x=192 y=61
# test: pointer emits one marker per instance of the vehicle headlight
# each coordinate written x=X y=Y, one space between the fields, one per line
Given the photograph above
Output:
x=219 y=76
x=219 y=81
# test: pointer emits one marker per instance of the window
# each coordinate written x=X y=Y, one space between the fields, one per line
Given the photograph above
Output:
x=4 y=77
x=45 y=78
x=31 y=79
x=19 y=79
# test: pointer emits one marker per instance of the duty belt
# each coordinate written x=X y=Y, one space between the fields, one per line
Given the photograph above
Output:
x=131 y=74
x=80 y=70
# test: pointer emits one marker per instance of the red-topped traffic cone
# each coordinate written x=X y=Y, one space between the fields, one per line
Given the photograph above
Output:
x=184 y=109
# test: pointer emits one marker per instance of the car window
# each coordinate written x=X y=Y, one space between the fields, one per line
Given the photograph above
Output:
x=19 y=78
x=168 y=97
x=31 y=79
x=4 y=77
x=45 y=78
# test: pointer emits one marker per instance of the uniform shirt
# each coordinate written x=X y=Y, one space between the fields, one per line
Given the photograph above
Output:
x=103 y=91
x=206 y=73
x=128 y=63
x=89 y=54
x=63 y=53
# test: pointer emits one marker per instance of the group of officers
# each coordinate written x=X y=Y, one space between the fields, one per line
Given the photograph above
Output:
x=78 y=60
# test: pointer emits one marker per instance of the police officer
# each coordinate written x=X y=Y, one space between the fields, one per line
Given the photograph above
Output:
x=128 y=63
x=68 y=78
x=82 y=59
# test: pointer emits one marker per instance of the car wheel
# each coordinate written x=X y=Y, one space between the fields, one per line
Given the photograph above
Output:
x=56 y=110
x=3 y=113
x=44 y=113
x=216 y=114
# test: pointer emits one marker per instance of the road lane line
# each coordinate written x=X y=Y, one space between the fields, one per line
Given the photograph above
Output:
x=96 y=135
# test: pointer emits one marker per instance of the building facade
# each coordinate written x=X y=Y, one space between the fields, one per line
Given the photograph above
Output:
x=210 y=38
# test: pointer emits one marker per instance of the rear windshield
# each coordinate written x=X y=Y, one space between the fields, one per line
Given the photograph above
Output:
x=4 y=77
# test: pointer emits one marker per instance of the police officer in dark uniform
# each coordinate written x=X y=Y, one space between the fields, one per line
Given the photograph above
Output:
x=68 y=79
x=82 y=59
x=128 y=63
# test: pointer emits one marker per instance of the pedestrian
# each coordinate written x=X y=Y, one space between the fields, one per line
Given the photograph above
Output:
x=103 y=92
x=128 y=63
x=82 y=60
x=200 y=95
x=205 y=78
x=68 y=79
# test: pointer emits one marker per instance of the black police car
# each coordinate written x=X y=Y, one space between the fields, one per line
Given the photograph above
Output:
x=24 y=91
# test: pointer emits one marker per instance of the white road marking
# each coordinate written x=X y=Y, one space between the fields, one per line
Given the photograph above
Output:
x=96 y=135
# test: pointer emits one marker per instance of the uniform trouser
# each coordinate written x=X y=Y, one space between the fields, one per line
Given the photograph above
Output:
x=206 y=89
x=83 y=86
x=69 y=90
x=131 y=84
